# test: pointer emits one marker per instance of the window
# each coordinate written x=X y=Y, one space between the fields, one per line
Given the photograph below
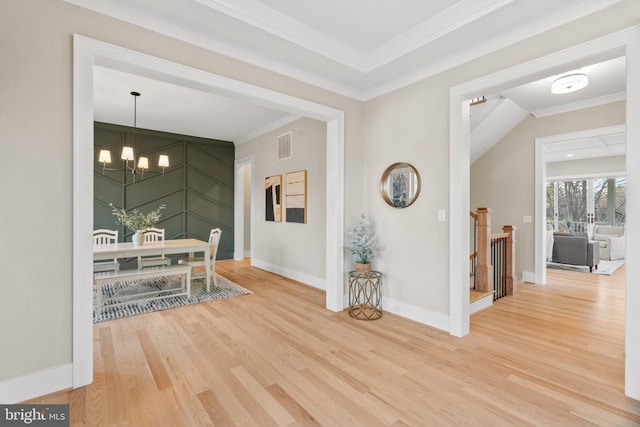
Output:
x=609 y=200
x=572 y=205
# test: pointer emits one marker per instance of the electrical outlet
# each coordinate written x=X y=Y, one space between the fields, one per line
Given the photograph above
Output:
x=442 y=215
x=527 y=219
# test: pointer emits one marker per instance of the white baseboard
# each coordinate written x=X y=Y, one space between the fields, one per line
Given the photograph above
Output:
x=529 y=277
x=36 y=384
x=409 y=311
x=238 y=256
x=481 y=304
x=419 y=314
x=305 y=278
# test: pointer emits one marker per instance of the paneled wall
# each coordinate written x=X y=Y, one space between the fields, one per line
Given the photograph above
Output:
x=197 y=188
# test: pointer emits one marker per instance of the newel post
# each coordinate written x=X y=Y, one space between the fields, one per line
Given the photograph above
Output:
x=484 y=269
x=510 y=259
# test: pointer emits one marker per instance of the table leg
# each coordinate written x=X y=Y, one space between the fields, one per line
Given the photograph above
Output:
x=188 y=274
x=207 y=266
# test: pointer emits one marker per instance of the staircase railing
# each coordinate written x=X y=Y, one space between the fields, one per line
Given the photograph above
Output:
x=473 y=258
x=494 y=269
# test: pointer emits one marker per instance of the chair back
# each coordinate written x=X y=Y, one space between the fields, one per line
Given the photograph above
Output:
x=609 y=230
x=214 y=240
x=104 y=236
x=152 y=235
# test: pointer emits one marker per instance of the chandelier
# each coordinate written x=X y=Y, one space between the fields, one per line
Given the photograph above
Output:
x=128 y=154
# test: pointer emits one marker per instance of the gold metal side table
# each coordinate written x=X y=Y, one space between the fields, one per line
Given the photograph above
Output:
x=365 y=295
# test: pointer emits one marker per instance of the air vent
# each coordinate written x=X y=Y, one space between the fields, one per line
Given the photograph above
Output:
x=284 y=146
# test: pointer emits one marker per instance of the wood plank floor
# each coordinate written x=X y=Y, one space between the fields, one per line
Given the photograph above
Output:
x=552 y=356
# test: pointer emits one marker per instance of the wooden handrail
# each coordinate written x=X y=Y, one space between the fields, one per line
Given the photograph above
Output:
x=474 y=215
x=499 y=236
x=510 y=260
x=484 y=269
x=485 y=241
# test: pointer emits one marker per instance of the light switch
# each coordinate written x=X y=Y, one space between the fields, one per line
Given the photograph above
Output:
x=527 y=219
x=442 y=215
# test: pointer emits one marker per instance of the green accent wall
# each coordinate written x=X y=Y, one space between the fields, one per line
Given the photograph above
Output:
x=197 y=188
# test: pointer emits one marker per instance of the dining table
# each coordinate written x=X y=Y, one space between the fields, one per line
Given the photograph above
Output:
x=163 y=247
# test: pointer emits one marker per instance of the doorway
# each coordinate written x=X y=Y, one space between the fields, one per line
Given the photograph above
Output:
x=541 y=190
x=89 y=52
x=625 y=42
x=244 y=208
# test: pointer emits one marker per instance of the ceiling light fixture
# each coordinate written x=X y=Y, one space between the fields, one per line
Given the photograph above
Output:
x=569 y=83
x=128 y=152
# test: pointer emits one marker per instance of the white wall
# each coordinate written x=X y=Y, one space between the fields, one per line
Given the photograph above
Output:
x=291 y=249
x=247 y=209
x=36 y=83
x=504 y=177
x=586 y=167
x=410 y=124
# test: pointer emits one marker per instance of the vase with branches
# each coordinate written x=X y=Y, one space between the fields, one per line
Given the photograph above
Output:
x=363 y=243
x=136 y=221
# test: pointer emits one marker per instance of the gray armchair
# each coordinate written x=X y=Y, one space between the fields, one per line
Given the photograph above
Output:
x=575 y=249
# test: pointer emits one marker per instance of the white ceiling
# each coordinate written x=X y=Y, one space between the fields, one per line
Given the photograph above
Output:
x=502 y=112
x=585 y=148
x=178 y=109
x=360 y=48
x=606 y=84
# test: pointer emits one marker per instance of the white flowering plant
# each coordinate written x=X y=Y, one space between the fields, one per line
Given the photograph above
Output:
x=363 y=241
x=135 y=220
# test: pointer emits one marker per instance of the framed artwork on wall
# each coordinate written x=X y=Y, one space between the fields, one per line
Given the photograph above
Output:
x=296 y=198
x=400 y=187
x=273 y=203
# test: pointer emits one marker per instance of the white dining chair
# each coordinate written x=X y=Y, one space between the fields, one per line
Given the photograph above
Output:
x=153 y=235
x=214 y=241
x=104 y=237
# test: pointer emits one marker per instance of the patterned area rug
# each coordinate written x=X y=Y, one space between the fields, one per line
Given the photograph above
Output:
x=605 y=267
x=115 y=296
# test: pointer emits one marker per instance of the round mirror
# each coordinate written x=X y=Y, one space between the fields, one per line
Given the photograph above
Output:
x=400 y=185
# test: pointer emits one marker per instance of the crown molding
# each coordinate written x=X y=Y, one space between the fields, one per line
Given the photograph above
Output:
x=451 y=19
x=273 y=22
x=178 y=32
x=480 y=49
x=587 y=103
x=346 y=56
x=266 y=128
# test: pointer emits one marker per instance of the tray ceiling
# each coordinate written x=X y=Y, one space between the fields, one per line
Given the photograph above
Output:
x=359 y=48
